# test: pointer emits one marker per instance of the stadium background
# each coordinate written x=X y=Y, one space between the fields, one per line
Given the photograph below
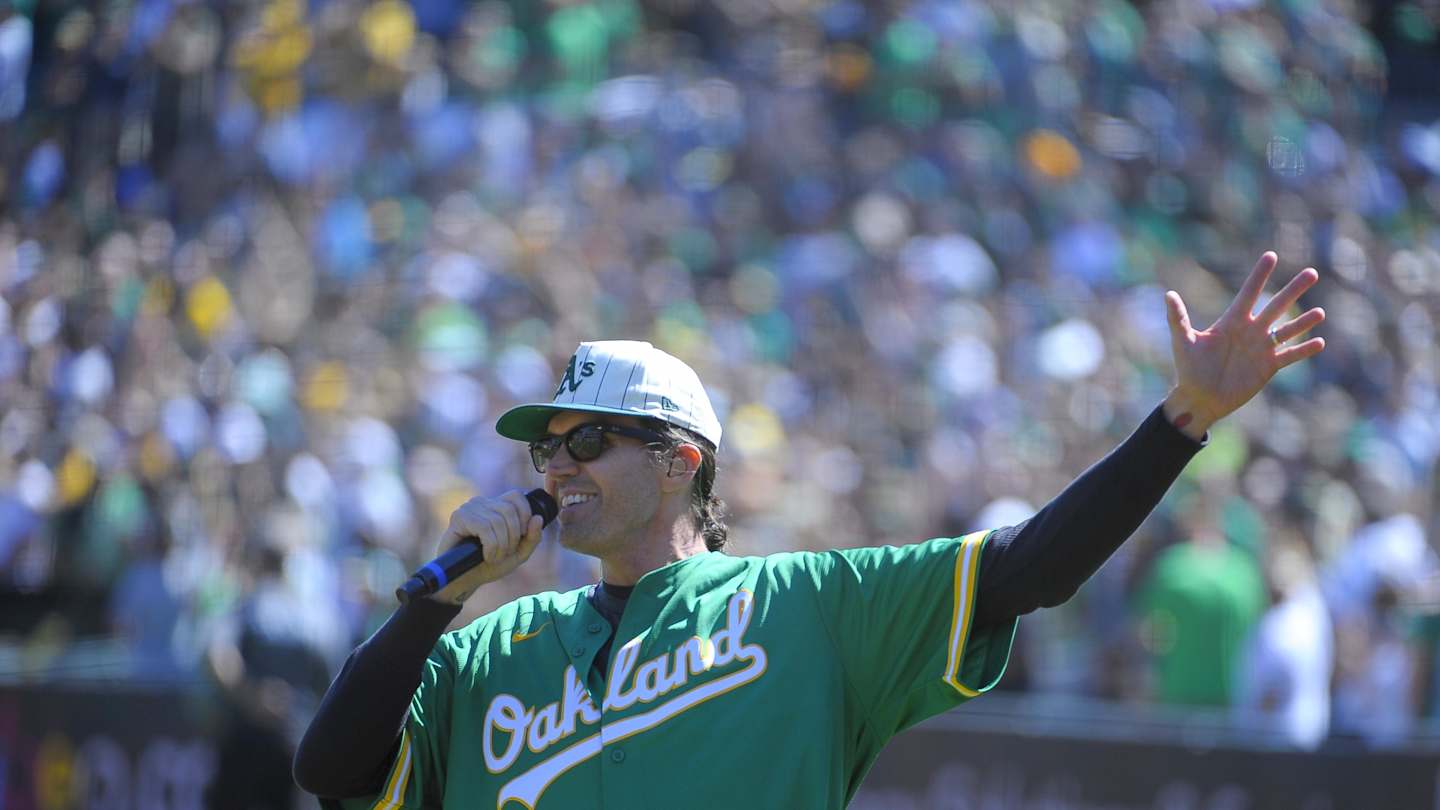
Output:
x=270 y=270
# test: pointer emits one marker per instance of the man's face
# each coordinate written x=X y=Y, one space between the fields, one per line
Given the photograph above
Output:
x=620 y=489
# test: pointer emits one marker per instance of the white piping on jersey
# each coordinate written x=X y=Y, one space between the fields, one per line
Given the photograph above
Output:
x=653 y=679
x=400 y=777
x=967 y=564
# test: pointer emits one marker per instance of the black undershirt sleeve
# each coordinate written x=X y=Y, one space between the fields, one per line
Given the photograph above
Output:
x=350 y=744
x=1042 y=561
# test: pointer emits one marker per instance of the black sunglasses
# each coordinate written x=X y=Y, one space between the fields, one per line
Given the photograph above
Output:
x=585 y=442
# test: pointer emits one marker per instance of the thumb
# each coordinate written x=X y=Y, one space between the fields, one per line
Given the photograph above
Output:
x=1180 y=329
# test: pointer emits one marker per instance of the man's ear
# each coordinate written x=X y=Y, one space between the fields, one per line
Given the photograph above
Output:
x=684 y=462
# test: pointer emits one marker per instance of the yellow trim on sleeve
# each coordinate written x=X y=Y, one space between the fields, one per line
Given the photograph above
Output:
x=967 y=566
x=394 y=796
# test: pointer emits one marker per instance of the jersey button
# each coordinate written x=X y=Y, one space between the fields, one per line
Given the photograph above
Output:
x=594 y=627
x=617 y=755
x=577 y=651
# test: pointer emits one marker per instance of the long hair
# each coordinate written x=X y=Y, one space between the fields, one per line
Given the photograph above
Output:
x=706 y=510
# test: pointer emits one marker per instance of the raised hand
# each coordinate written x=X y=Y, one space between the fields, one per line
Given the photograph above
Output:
x=1220 y=368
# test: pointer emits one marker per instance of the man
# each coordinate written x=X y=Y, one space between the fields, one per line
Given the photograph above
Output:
x=688 y=678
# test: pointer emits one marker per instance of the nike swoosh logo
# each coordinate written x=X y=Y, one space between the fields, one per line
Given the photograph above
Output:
x=519 y=637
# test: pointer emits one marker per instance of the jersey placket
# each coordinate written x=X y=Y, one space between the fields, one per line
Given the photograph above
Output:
x=582 y=634
x=618 y=773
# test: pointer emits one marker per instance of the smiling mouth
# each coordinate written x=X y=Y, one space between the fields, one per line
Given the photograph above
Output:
x=572 y=503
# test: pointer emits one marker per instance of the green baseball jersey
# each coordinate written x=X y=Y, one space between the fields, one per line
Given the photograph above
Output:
x=756 y=681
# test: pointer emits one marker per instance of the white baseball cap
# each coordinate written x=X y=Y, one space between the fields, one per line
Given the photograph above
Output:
x=622 y=377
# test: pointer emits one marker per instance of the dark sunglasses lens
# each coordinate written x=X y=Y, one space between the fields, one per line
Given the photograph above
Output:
x=586 y=444
x=541 y=451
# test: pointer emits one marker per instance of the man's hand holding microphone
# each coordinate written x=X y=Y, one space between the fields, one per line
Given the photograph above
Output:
x=487 y=539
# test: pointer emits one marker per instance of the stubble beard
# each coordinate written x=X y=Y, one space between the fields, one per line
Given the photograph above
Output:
x=587 y=536
x=599 y=534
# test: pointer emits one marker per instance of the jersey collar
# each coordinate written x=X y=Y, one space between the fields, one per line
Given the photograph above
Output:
x=582 y=629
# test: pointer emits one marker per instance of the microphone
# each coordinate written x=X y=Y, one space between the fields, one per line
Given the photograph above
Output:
x=466 y=554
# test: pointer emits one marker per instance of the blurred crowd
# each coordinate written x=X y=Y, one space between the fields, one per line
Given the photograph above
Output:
x=271 y=269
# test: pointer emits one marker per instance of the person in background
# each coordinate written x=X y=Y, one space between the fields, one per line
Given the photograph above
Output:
x=1372 y=589
x=1378 y=674
x=144 y=607
x=271 y=673
x=1283 y=680
x=1196 y=608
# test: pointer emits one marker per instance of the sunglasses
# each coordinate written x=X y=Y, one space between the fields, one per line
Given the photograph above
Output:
x=585 y=442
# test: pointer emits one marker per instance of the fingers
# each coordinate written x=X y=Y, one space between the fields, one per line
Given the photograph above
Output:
x=510 y=513
x=1292 y=329
x=1249 y=294
x=497 y=524
x=534 y=530
x=1302 y=351
x=499 y=541
x=516 y=511
x=1288 y=295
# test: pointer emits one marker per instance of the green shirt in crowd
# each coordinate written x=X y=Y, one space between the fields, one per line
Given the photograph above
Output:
x=1199 y=605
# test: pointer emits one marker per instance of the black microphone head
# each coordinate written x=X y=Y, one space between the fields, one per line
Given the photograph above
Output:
x=543 y=505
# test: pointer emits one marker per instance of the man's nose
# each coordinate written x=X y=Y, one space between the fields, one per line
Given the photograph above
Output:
x=561 y=464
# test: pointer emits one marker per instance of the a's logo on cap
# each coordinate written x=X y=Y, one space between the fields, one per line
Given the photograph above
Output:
x=667 y=405
x=570 y=379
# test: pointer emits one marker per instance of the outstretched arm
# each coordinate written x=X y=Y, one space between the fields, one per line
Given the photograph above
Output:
x=1042 y=561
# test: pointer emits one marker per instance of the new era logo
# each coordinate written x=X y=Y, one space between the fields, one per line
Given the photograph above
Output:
x=667 y=405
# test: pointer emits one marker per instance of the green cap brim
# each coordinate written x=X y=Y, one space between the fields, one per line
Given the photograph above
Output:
x=526 y=423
